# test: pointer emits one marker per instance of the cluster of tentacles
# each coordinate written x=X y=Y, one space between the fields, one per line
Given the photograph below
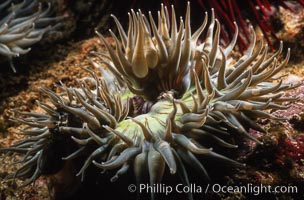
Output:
x=22 y=25
x=159 y=101
x=259 y=12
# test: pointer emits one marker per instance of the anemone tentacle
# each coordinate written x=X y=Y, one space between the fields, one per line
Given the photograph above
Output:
x=22 y=25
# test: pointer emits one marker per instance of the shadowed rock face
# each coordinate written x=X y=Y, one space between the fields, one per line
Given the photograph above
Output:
x=23 y=24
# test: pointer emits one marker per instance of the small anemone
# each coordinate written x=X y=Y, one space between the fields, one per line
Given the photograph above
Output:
x=161 y=100
x=22 y=25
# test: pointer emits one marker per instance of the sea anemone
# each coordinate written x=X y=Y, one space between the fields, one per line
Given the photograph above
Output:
x=22 y=25
x=259 y=12
x=162 y=100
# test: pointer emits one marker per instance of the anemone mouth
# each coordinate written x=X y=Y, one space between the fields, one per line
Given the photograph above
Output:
x=122 y=123
x=150 y=59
